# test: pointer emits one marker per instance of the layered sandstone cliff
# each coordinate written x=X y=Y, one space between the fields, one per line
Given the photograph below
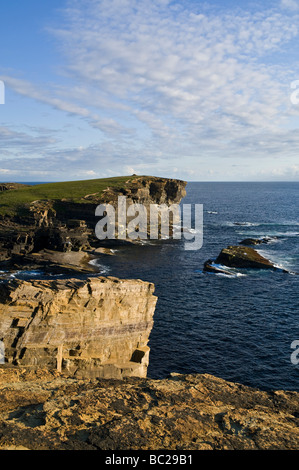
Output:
x=147 y=190
x=97 y=327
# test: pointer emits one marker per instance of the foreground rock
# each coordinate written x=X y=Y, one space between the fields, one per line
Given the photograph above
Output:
x=97 y=327
x=40 y=410
x=245 y=257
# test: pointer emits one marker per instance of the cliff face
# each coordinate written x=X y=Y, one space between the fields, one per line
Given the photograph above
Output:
x=40 y=410
x=148 y=190
x=94 y=328
x=66 y=224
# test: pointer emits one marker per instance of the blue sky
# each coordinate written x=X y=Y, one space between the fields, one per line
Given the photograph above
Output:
x=194 y=90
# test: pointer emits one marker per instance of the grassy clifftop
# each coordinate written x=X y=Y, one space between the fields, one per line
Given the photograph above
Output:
x=12 y=199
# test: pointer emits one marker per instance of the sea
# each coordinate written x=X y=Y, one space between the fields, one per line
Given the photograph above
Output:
x=243 y=327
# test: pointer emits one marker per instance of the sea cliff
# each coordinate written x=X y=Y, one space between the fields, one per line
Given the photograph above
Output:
x=97 y=327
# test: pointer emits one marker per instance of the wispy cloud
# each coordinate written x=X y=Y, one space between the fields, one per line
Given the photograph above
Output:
x=51 y=95
x=178 y=70
x=15 y=142
x=167 y=81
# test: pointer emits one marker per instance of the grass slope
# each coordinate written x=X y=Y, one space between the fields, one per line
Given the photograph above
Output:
x=11 y=201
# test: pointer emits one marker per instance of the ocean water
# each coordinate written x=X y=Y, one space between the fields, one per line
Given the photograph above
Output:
x=239 y=328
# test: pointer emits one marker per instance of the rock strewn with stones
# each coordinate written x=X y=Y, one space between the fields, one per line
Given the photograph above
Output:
x=40 y=410
x=97 y=327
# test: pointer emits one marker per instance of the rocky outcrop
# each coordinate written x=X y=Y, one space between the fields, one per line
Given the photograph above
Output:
x=147 y=190
x=77 y=214
x=11 y=186
x=244 y=257
x=55 y=262
x=210 y=267
x=97 y=327
x=18 y=239
x=257 y=241
x=42 y=410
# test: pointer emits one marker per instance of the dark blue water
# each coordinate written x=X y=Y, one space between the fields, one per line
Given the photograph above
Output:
x=239 y=328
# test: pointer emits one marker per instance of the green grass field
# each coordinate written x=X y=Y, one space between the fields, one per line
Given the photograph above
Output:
x=13 y=200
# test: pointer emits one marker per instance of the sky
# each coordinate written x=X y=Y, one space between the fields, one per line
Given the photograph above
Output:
x=194 y=90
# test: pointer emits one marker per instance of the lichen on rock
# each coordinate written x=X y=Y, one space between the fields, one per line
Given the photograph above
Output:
x=42 y=410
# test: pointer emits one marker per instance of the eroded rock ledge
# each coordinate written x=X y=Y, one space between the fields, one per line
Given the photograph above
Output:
x=97 y=327
x=41 y=410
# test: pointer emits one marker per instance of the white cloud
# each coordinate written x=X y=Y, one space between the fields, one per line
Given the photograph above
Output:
x=165 y=63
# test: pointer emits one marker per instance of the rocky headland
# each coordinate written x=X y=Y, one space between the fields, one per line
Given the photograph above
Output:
x=37 y=221
x=257 y=241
